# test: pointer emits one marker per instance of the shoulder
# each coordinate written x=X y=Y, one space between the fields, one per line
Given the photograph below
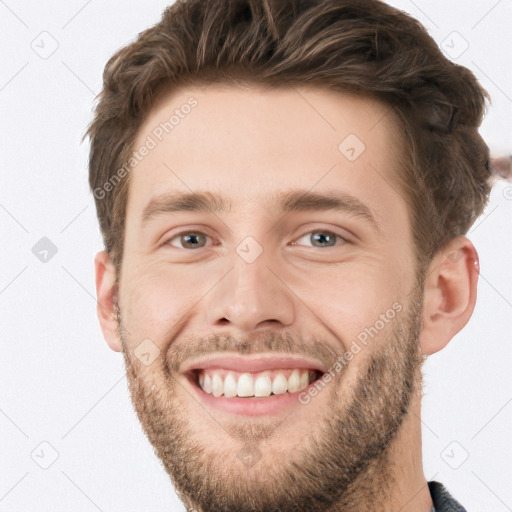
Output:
x=443 y=500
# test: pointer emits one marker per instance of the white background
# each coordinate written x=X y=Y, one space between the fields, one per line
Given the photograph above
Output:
x=61 y=384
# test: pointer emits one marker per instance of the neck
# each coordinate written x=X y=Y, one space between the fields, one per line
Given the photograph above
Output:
x=394 y=481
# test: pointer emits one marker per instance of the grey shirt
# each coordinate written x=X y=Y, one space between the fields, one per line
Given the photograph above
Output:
x=443 y=501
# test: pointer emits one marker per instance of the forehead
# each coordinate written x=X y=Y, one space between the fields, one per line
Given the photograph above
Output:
x=248 y=143
x=220 y=114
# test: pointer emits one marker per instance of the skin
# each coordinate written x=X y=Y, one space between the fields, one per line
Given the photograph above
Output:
x=357 y=444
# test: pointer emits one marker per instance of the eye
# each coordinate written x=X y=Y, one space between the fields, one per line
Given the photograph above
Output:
x=198 y=240
x=320 y=238
x=188 y=240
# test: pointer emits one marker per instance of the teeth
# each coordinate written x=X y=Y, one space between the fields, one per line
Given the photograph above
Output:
x=207 y=386
x=217 y=385
x=293 y=381
x=263 y=386
x=245 y=386
x=280 y=384
x=232 y=384
x=230 y=387
x=304 y=380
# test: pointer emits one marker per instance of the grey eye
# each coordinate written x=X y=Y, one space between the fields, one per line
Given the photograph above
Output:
x=319 y=239
x=322 y=239
x=190 y=240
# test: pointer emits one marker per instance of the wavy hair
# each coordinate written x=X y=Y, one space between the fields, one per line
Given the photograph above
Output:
x=360 y=46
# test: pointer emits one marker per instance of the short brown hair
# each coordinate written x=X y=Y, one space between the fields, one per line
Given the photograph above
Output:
x=360 y=46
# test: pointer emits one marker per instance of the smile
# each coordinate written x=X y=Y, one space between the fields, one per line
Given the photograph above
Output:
x=252 y=386
x=223 y=382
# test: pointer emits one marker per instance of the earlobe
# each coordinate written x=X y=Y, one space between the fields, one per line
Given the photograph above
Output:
x=106 y=292
x=449 y=294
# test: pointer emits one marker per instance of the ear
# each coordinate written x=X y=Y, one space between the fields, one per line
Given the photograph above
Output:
x=449 y=295
x=106 y=291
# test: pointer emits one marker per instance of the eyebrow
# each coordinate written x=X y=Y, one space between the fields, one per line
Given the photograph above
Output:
x=284 y=202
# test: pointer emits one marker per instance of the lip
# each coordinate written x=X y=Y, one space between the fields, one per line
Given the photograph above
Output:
x=254 y=364
x=252 y=406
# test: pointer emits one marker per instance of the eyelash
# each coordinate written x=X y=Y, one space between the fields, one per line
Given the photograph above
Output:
x=323 y=231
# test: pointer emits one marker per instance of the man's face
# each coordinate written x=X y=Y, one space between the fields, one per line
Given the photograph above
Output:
x=266 y=291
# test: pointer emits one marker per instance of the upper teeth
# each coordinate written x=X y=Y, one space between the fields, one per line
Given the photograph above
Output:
x=231 y=384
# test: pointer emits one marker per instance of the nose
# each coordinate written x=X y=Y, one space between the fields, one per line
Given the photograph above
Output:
x=251 y=296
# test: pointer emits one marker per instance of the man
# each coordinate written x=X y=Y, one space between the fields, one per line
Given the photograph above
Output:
x=283 y=189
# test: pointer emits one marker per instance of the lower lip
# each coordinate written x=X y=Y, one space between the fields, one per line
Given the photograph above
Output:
x=251 y=406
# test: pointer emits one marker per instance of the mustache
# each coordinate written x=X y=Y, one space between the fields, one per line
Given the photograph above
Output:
x=267 y=343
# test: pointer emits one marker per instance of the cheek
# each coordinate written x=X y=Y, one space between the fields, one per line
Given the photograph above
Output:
x=351 y=301
x=155 y=301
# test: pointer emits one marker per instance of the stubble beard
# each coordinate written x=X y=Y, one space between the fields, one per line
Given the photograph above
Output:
x=343 y=463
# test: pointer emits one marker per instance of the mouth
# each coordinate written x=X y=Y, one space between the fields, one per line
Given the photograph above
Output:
x=228 y=383
x=252 y=386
